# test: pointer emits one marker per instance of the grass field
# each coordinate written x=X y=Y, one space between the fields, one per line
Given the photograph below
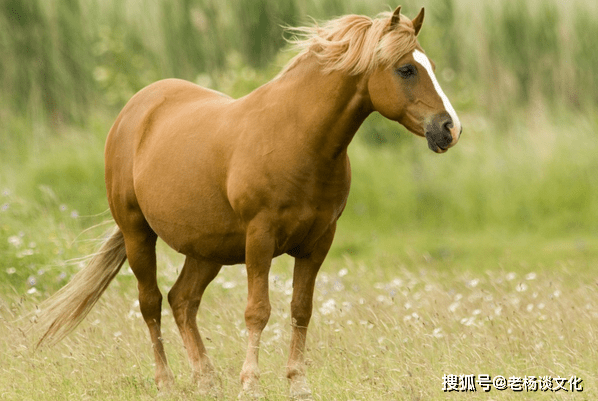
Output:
x=399 y=303
x=478 y=261
x=382 y=329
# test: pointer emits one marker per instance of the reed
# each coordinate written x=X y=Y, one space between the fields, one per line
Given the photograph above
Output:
x=62 y=59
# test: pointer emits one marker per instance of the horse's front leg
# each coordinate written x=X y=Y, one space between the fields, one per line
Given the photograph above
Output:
x=258 y=257
x=304 y=279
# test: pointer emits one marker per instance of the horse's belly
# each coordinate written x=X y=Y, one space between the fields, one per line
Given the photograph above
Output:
x=187 y=209
x=201 y=235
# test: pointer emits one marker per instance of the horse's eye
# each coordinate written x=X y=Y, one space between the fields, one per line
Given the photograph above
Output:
x=406 y=71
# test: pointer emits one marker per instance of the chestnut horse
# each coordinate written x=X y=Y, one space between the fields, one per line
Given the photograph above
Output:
x=227 y=181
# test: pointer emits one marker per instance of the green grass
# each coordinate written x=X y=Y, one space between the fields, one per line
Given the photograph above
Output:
x=537 y=177
x=379 y=332
x=62 y=59
x=411 y=291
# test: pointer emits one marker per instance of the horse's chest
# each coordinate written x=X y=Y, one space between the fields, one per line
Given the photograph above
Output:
x=297 y=200
x=298 y=228
x=301 y=220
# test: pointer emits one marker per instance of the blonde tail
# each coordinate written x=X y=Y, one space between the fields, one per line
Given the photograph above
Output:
x=63 y=311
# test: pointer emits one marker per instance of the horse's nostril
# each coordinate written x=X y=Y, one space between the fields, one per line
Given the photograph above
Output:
x=448 y=125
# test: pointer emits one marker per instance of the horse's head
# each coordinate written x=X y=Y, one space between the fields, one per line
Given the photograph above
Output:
x=403 y=86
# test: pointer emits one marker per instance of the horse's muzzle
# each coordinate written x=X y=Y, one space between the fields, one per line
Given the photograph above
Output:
x=439 y=133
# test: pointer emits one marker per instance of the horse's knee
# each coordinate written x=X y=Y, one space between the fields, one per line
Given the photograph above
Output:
x=301 y=313
x=150 y=303
x=257 y=315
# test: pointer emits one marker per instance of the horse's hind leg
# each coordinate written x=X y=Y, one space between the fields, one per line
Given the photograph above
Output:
x=140 y=243
x=184 y=298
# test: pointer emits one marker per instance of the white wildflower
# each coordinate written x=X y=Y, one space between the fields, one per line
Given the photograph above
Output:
x=15 y=241
x=531 y=276
x=453 y=307
x=328 y=307
x=473 y=283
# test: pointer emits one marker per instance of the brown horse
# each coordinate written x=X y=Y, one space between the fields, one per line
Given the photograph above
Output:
x=227 y=181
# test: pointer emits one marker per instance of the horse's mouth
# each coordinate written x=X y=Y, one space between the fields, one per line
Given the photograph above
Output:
x=441 y=138
x=437 y=147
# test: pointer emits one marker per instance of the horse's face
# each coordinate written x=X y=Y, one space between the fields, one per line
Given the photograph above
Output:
x=408 y=92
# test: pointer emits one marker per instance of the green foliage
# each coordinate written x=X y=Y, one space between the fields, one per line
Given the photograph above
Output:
x=521 y=75
x=528 y=42
x=46 y=61
x=584 y=68
x=262 y=19
x=60 y=55
x=489 y=179
x=37 y=238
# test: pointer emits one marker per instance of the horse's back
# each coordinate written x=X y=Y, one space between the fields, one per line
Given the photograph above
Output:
x=153 y=105
x=158 y=104
x=166 y=159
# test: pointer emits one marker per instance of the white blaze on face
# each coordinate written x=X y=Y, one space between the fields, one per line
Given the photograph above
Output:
x=422 y=59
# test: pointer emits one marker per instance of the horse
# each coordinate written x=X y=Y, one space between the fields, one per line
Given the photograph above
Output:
x=229 y=181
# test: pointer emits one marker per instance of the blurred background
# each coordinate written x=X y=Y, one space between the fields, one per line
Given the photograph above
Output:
x=521 y=75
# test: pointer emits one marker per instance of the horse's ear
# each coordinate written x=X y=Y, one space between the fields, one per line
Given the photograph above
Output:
x=396 y=18
x=418 y=21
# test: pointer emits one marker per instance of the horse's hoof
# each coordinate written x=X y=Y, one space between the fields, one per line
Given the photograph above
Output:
x=251 y=396
x=165 y=390
x=165 y=383
x=252 y=390
x=209 y=386
x=300 y=390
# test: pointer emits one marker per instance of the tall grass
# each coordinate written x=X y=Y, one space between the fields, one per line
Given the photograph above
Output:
x=521 y=75
x=376 y=334
x=65 y=58
x=537 y=176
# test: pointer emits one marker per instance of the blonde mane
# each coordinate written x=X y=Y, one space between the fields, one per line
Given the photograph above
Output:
x=354 y=44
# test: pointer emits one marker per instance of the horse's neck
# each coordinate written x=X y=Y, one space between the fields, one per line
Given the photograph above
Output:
x=325 y=109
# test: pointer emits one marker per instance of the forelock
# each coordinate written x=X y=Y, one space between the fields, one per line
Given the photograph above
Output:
x=397 y=42
x=355 y=44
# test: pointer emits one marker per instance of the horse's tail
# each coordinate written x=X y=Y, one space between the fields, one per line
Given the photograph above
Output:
x=63 y=311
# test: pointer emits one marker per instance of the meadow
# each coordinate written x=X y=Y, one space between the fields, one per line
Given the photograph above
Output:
x=478 y=261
